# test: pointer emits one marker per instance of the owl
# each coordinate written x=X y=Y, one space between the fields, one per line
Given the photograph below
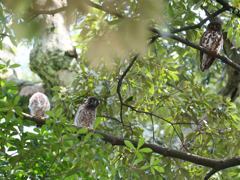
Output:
x=211 y=39
x=86 y=113
x=38 y=104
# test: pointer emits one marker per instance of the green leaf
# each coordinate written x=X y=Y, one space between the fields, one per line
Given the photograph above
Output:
x=8 y=116
x=190 y=35
x=14 y=66
x=135 y=174
x=131 y=98
x=145 y=150
x=97 y=122
x=136 y=162
x=88 y=136
x=113 y=171
x=3 y=104
x=122 y=167
x=16 y=99
x=56 y=88
x=58 y=112
x=170 y=10
x=140 y=143
x=10 y=83
x=144 y=167
x=230 y=32
x=151 y=160
x=129 y=144
x=50 y=113
x=8 y=62
x=237 y=40
x=6 y=168
x=151 y=90
x=197 y=6
x=35 y=144
x=82 y=131
x=2 y=66
x=152 y=170
x=174 y=76
x=157 y=161
x=159 y=169
x=139 y=156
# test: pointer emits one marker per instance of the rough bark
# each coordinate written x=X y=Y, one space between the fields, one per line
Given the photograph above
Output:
x=53 y=53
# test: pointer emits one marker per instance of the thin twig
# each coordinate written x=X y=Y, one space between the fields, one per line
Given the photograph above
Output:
x=120 y=84
x=153 y=130
x=74 y=170
x=113 y=118
x=199 y=25
x=50 y=167
x=145 y=112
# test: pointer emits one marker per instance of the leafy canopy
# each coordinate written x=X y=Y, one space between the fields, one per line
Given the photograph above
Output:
x=161 y=95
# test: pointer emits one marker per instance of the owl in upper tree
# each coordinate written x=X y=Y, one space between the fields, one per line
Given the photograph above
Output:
x=38 y=104
x=86 y=113
x=211 y=39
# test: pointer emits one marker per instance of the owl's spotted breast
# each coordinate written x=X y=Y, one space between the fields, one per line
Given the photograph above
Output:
x=212 y=39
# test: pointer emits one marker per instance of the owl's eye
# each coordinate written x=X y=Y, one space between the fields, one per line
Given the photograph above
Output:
x=211 y=25
x=92 y=100
x=218 y=25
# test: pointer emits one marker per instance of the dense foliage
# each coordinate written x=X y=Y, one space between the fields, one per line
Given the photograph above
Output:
x=150 y=93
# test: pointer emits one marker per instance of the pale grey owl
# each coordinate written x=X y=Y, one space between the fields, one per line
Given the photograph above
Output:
x=38 y=104
x=86 y=113
x=212 y=39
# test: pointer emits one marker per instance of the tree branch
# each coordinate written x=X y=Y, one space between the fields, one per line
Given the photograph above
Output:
x=199 y=25
x=92 y=4
x=167 y=152
x=120 y=85
x=226 y=6
x=195 y=46
x=229 y=7
x=52 y=12
x=223 y=164
x=210 y=173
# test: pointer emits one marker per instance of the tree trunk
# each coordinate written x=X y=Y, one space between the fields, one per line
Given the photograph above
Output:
x=53 y=53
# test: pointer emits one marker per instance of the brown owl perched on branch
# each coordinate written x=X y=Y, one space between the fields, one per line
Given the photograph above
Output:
x=38 y=104
x=86 y=113
x=211 y=39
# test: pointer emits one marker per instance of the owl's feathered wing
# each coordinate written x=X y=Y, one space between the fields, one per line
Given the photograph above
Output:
x=211 y=40
x=85 y=117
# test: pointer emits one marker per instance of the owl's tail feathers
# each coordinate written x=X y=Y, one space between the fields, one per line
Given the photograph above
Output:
x=206 y=63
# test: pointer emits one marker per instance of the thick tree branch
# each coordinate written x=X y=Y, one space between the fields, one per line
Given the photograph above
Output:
x=210 y=173
x=223 y=164
x=52 y=12
x=167 y=152
x=191 y=44
x=229 y=7
x=92 y=4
